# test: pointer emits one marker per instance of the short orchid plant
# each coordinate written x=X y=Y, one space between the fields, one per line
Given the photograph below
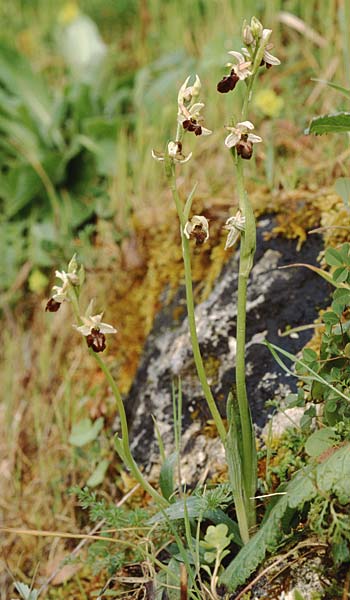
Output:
x=238 y=437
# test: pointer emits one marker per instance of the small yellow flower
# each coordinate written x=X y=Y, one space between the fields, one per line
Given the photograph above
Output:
x=269 y=103
x=68 y=13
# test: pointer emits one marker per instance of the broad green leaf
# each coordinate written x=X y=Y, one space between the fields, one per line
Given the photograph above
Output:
x=99 y=473
x=333 y=257
x=340 y=275
x=85 y=431
x=342 y=187
x=309 y=355
x=17 y=76
x=319 y=441
x=333 y=123
x=330 y=317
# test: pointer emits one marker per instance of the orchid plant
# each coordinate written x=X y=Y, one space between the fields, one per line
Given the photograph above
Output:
x=94 y=331
x=240 y=453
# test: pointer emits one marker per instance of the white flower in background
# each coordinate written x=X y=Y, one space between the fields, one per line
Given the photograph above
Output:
x=197 y=228
x=242 y=67
x=80 y=43
x=94 y=329
x=241 y=138
x=234 y=226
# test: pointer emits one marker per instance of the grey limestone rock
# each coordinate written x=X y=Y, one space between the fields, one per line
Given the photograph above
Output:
x=277 y=298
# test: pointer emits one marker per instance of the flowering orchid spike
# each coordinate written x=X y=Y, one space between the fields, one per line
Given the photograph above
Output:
x=240 y=138
x=234 y=225
x=60 y=292
x=197 y=228
x=94 y=330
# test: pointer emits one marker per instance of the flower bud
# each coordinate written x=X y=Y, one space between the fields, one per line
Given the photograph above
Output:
x=247 y=34
x=256 y=28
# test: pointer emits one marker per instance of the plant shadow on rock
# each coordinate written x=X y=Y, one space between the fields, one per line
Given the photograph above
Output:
x=277 y=298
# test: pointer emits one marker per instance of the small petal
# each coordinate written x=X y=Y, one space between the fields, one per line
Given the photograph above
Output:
x=255 y=139
x=206 y=131
x=237 y=55
x=157 y=155
x=83 y=329
x=232 y=238
x=106 y=328
x=245 y=125
x=183 y=159
x=232 y=139
x=271 y=60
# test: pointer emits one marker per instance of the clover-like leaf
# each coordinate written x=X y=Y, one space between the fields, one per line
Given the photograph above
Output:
x=215 y=541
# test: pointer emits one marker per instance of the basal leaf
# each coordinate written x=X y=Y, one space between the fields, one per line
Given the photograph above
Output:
x=166 y=477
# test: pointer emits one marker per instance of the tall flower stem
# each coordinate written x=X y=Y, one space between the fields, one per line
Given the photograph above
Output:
x=123 y=445
x=190 y=311
x=247 y=250
x=125 y=454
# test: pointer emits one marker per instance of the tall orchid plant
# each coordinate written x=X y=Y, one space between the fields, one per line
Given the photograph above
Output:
x=239 y=439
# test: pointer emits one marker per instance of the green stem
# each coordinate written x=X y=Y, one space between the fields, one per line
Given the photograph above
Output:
x=130 y=462
x=191 y=315
x=247 y=249
x=127 y=456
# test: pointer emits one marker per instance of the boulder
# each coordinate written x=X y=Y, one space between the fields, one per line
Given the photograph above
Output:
x=277 y=298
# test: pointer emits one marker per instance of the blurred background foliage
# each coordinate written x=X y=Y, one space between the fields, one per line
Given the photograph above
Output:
x=87 y=90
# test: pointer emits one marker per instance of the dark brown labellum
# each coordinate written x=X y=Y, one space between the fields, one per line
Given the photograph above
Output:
x=96 y=340
x=200 y=236
x=268 y=66
x=227 y=83
x=192 y=125
x=244 y=148
x=52 y=305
